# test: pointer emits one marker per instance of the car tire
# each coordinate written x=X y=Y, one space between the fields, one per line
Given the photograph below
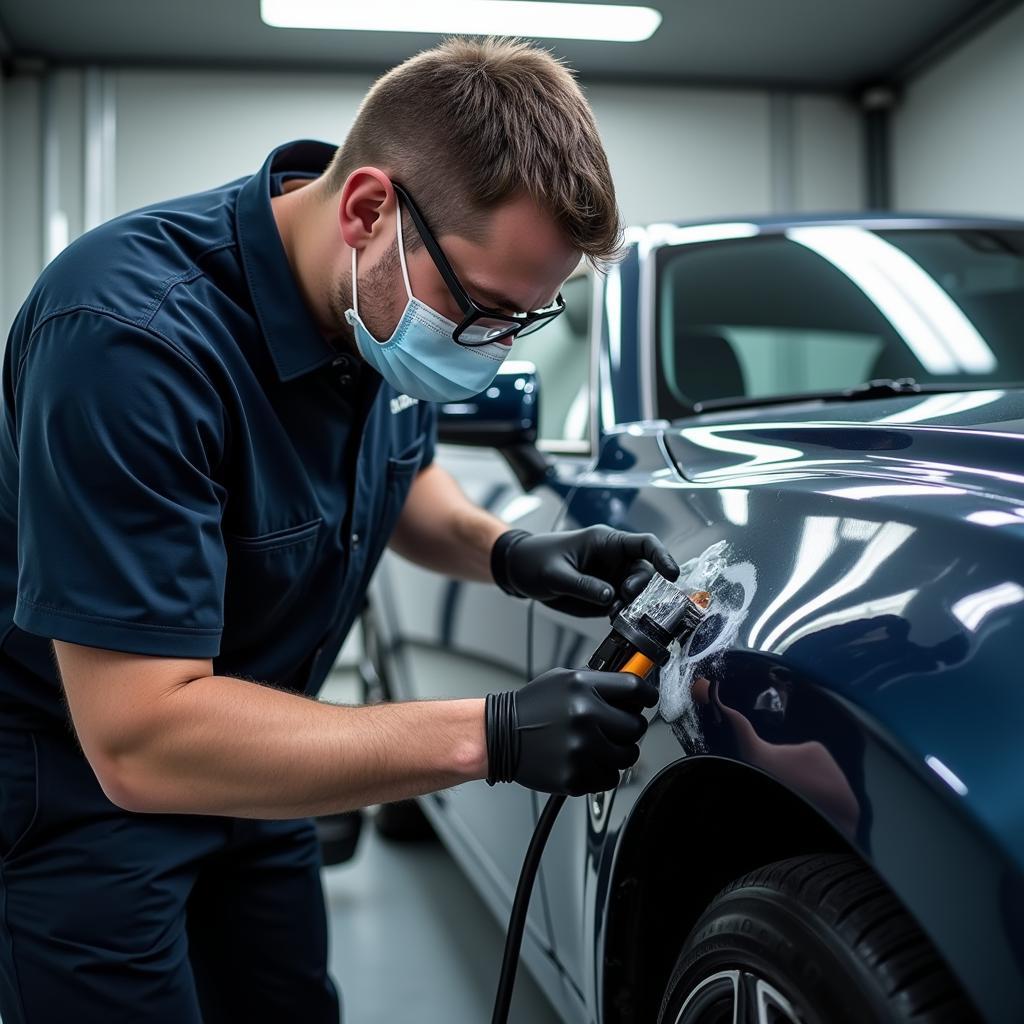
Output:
x=815 y=939
x=403 y=822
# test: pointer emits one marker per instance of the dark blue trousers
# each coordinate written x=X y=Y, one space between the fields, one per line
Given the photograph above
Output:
x=108 y=916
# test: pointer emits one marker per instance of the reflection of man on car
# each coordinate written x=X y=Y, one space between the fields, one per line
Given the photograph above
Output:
x=807 y=767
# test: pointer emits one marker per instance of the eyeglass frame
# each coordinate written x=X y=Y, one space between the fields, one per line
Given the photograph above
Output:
x=472 y=310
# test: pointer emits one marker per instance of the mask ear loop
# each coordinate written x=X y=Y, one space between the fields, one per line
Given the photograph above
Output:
x=355 y=299
x=401 y=248
x=401 y=259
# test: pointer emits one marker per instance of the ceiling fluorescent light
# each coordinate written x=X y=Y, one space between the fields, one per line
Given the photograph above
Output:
x=623 y=23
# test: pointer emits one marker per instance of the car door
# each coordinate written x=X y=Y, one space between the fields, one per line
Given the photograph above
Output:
x=458 y=639
x=626 y=489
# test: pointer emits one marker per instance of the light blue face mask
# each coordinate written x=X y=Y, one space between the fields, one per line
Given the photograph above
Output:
x=421 y=359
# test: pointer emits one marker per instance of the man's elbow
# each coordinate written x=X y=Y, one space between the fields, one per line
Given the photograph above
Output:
x=124 y=709
x=119 y=792
x=124 y=780
x=122 y=754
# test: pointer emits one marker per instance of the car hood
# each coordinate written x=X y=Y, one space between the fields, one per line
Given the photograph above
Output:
x=972 y=440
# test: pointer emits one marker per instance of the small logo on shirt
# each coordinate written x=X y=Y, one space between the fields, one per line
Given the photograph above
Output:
x=401 y=403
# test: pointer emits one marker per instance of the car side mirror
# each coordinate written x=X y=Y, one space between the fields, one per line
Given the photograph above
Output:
x=502 y=417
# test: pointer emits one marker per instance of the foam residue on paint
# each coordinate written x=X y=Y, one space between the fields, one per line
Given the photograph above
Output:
x=731 y=584
x=702 y=572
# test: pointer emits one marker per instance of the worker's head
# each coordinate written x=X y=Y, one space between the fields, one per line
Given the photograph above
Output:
x=494 y=144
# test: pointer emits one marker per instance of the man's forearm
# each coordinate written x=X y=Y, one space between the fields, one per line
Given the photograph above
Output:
x=220 y=745
x=441 y=529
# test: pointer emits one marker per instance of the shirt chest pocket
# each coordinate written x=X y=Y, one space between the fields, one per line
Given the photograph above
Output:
x=267 y=575
x=400 y=473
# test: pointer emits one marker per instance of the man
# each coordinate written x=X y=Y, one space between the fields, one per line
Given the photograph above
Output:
x=218 y=410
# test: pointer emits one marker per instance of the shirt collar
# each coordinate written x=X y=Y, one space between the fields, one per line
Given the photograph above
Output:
x=295 y=342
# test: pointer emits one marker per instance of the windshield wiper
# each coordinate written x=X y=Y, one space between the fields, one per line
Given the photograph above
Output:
x=880 y=388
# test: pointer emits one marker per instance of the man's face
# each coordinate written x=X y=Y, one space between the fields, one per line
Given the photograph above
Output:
x=519 y=264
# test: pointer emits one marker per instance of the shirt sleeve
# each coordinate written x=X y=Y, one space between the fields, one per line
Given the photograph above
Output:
x=428 y=425
x=119 y=515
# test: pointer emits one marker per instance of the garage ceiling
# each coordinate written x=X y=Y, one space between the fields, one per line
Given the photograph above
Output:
x=822 y=44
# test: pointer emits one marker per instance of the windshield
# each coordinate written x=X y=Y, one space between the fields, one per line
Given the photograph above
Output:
x=826 y=307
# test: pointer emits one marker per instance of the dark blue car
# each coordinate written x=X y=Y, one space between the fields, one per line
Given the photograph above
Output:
x=826 y=823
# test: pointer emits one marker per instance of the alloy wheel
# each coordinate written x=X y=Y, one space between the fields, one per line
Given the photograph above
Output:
x=736 y=997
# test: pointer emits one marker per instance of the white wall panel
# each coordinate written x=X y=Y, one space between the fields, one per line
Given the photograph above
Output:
x=675 y=152
x=685 y=153
x=3 y=210
x=3 y=206
x=22 y=193
x=959 y=133
x=182 y=131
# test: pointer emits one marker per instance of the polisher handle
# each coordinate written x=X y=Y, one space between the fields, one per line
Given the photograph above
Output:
x=639 y=664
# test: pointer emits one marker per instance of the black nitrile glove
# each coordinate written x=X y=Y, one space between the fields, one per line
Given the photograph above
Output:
x=580 y=571
x=568 y=731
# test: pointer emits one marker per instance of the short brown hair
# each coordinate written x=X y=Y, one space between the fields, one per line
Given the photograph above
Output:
x=472 y=123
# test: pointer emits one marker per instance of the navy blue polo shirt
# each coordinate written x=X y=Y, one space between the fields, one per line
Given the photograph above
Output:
x=188 y=468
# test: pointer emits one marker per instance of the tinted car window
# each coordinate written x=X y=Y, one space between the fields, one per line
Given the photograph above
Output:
x=561 y=352
x=824 y=307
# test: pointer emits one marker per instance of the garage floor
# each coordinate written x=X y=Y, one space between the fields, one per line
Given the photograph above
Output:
x=410 y=939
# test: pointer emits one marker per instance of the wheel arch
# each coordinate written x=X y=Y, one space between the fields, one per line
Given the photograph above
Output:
x=707 y=818
x=668 y=866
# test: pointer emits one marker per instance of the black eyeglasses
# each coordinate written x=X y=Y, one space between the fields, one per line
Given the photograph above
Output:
x=479 y=325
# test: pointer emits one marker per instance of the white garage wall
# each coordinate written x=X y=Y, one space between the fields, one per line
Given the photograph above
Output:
x=673 y=152
x=180 y=132
x=3 y=210
x=21 y=240
x=958 y=135
x=676 y=152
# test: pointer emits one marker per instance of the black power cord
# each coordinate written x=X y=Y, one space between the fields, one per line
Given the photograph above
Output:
x=629 y=647
x=520 y=905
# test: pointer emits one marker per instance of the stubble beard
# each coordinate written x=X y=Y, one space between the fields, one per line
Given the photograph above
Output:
x=376 y=299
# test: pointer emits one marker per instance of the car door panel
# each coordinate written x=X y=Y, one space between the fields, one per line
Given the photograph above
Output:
x=625 y=490
x=450 y=638
x=447 y=638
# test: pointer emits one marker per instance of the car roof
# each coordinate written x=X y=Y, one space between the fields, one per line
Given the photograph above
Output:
x=883 y=219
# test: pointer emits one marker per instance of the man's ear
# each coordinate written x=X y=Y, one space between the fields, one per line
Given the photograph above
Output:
x=367 y=197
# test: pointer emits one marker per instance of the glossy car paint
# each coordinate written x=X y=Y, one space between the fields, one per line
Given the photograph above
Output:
x=868 y=668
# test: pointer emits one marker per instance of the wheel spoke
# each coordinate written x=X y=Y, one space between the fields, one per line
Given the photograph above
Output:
x=711 y=995
x=751 y=999
x=773 y=1006
x=746 y=1010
